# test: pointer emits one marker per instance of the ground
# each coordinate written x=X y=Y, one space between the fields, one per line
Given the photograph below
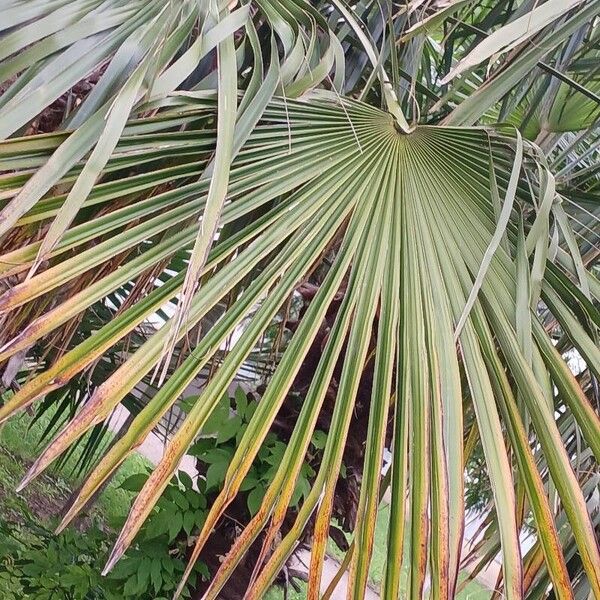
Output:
x=46 y=495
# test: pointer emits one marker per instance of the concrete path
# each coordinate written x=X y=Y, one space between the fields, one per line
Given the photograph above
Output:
x=153 y=446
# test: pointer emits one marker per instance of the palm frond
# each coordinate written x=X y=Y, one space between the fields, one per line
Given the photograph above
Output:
x=226 y=155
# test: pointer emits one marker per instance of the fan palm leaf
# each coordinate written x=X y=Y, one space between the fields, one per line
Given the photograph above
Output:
x=444 y=239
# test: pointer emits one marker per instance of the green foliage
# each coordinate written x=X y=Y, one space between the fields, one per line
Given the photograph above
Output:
x=35 y=563
x=220 y=438
x=156 y=561
x=478 y=491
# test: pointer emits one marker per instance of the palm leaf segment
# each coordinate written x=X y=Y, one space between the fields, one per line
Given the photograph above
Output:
x=441 y=242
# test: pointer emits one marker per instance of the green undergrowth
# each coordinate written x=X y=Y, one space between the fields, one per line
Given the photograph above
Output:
x=42 y=500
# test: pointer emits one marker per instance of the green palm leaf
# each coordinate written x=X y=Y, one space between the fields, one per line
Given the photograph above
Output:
x=449 y=245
